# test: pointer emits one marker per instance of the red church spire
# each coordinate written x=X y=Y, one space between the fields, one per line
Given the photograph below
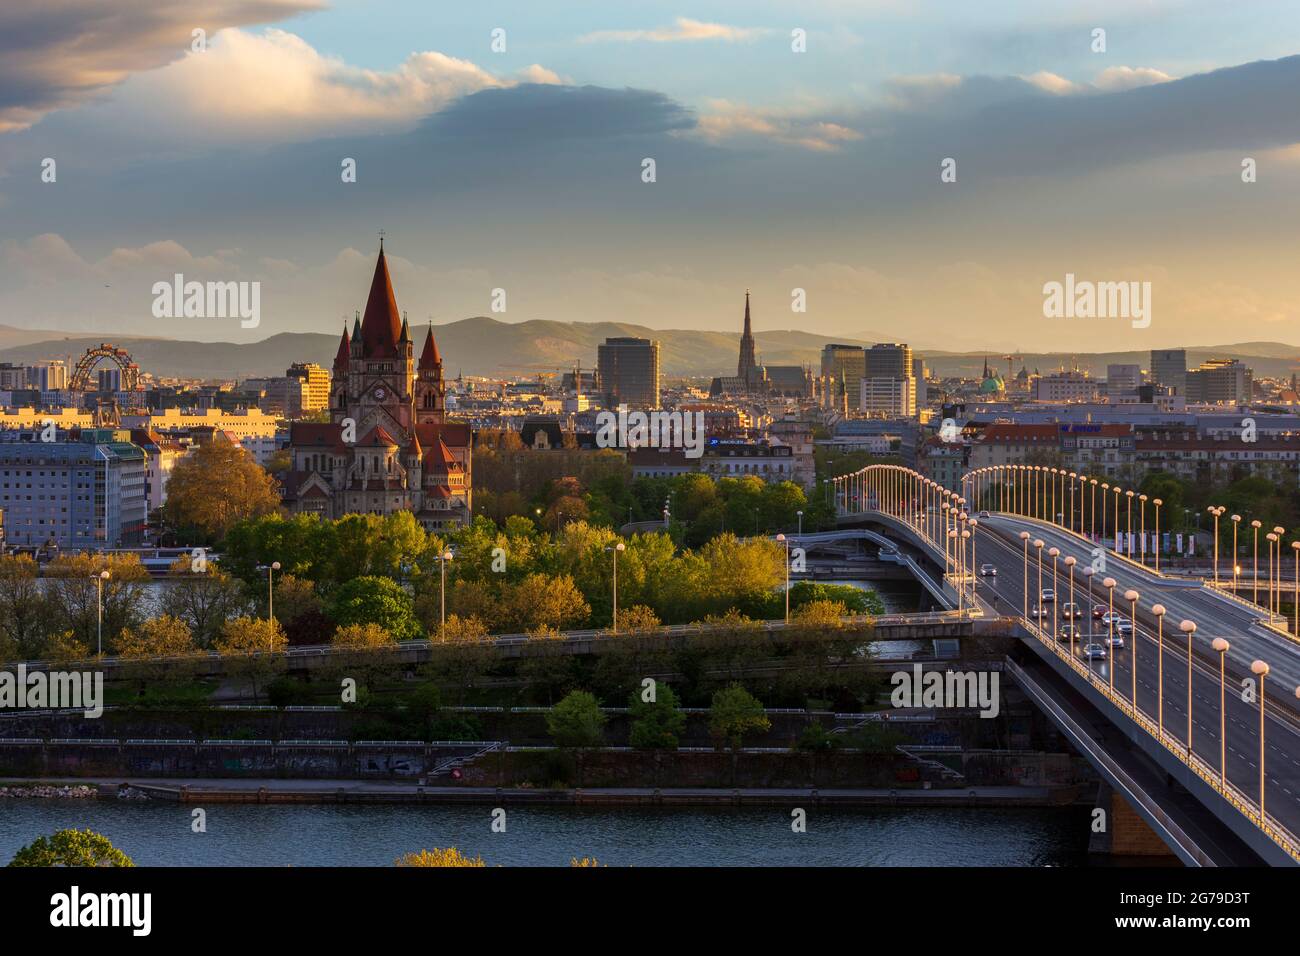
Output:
x=341 y=356
x=430 y=360
x=381 y=327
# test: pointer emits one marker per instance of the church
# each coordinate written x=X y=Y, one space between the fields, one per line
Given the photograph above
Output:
x=388 y=446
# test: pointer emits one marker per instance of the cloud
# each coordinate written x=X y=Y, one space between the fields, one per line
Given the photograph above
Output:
x=733 y=122
x=60 y=53
x=683 y=30
x=1116 y=78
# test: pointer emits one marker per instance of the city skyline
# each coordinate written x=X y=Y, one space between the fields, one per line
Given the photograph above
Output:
x=521 y=170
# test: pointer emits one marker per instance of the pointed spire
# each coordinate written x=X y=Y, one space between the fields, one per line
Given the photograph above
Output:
x=356 y=327
x=381 y=326
x=345 y=344
x=747 y=332
x=430 y=360
x=406 y=330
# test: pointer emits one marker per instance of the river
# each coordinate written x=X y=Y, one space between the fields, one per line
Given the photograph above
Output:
x=159 y=834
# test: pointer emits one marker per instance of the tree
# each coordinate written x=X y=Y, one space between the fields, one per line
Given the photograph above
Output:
x=577 y=721
x=24 y=612
x=734 y=713
x=145 y=647
x=252 y=648
x=71 y=848
x=657 y=724
x=439 y=857
x=212 y=489
x=72 y=591
x=819 y=614
x=540 y=601
x=637 y=618
x=375 y=600
x=363 y=637
x=204 y=599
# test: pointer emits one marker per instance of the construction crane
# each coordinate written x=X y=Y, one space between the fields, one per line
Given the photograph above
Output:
x=1011 y=360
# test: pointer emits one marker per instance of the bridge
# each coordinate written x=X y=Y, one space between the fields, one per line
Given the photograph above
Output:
x=1183 y=671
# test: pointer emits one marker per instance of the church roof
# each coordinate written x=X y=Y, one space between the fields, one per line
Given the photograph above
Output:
x=430 y=359
x=381 y=327
x=341 y=357
x=317 y=435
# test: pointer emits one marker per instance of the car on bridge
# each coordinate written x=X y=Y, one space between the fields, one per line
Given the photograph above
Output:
x=1098 y=611
x=1123 y=626
x=1111 y=618
x=1047 y=596
x=1094 y=652
x=1070 y=611
x=988 y=571
x=984 y=514
x=1115 y=640
x=1068 y=632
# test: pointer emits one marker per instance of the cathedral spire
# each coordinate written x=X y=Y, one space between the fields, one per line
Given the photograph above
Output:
x=381 y=327
x=345 y=344
x=746 y=368
x=430 y=360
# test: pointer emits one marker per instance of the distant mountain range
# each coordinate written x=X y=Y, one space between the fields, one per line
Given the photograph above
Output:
x=485 y=346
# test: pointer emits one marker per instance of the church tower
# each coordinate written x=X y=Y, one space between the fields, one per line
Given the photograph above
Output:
x=430 y=389
x=747 y=368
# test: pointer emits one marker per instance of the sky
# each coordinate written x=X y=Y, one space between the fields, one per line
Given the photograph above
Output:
x=503 y=146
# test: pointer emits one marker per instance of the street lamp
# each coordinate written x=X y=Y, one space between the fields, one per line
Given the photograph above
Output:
x=1159 y=611
x=1038 y=547
x=799 y=514
x=1295 y=595
x=1070 y=561
x=1109 y=585
x=1128 y=520
x=1236 y=567
x=1277 y=576
x=1216 y=512
x=1104 y=488
x=1271 y=538
x=1159 y=544
x=1142 y=508
x=1024 y=536
x=1260 y=670
x=1255 y=569
x=1220 y=645
x=1055 y=553
x=1132 y=597
x=782 y=539
x=270 y=589
x=615 y=549
x=442 y=594
x=99 y=580
x=1189 y=628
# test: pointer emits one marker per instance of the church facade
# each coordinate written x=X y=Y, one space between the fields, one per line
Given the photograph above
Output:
x=388 y=446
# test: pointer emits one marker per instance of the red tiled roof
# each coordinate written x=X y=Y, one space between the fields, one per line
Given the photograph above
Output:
x=317 y=434
x=430 y=359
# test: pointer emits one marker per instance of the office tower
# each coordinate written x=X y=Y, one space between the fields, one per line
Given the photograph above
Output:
x=1219 y=382
x=629 y=372
x=1122 y=380
x=1169 y=369
x=847 y=364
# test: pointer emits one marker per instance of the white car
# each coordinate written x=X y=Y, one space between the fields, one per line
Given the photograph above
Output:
x=1048 y=596
x=1094 y=652
x=988 y=571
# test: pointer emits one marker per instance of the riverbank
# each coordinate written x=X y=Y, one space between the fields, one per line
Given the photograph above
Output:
x=278 y=791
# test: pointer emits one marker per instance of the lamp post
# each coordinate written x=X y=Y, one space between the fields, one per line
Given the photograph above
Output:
x=1260 y=670
x=1220 y=645
x=1132 y=597
x=1092 y=516
x=974 y=567
x=270 y=590
x=1159 y=611
x=1024 y=537
x=1142 y=510
x=1189 y=628
x=1216 y=512
x=1254 y=573
x=1038 y=547
x=1115 y=490
x=1104 y=488
x=1295 y=594
x=967 y=569
x=1159 y=544
x=1236 y=566
x=1070 y=561
x=1128 y=520
x=1109 y=585
x=616 y=549
x=442 y=594
x=1277 y=577
x=799 y=515
x=781 y=538
x=1271 y=538
x=1055 y=553
x=99 y=579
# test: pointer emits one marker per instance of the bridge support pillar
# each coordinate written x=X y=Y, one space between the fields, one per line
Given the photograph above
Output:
x=1126 y=833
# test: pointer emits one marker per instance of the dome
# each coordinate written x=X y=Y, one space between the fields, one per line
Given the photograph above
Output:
x=992 y=385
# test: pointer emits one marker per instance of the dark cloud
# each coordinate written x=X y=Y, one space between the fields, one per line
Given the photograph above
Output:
x=57 y=53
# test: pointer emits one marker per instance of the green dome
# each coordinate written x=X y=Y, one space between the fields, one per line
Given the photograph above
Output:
x=992 y=384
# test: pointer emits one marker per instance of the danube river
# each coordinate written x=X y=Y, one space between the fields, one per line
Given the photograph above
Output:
x=159 y=834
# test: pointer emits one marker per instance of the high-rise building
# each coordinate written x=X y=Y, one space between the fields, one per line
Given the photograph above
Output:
x=1219 y=382
x=747 y=367
x=919 y=372
x=313 y=386
x=1122 y=380
x=847 y=364
x=629 y=372
x=888 y=384
x=388 y=446
x=1169 y=369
